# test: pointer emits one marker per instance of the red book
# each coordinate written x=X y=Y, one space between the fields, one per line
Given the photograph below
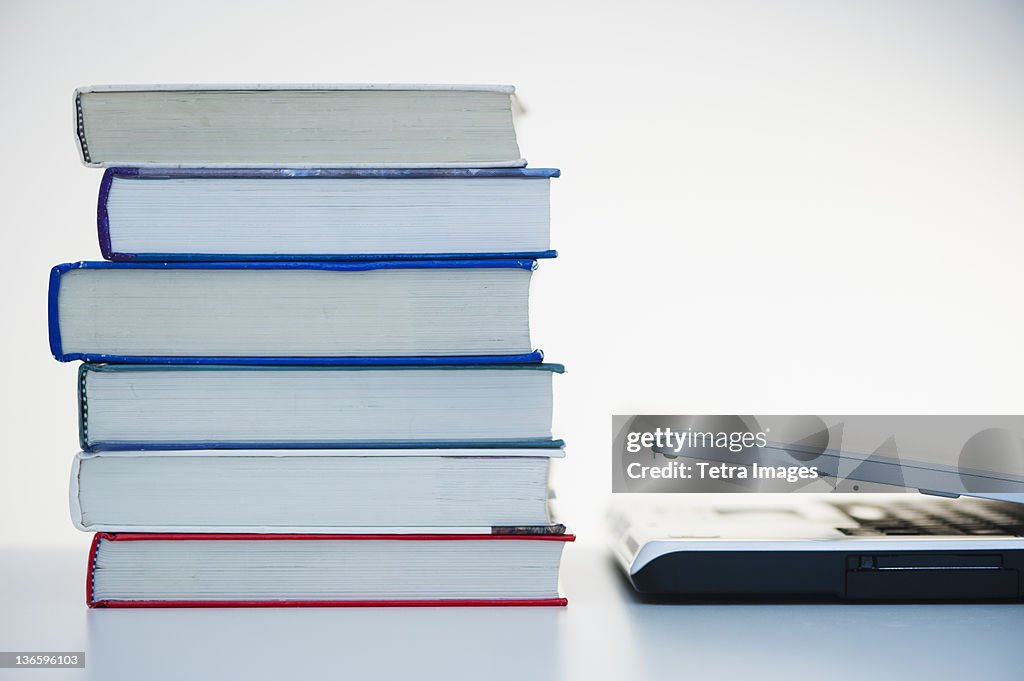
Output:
x=292 y=570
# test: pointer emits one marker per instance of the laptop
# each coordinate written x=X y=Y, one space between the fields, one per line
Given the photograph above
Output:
x=962 y=540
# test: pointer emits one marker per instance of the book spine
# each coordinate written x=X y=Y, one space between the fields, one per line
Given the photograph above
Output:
x=52 y=311
x=90 y=573
x=83 y=407
x=83 y=145
x=103 y=216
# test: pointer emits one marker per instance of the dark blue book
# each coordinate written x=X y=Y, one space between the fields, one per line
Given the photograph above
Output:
x=186 y=214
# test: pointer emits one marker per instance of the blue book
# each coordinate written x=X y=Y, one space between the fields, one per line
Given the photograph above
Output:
x=354 y=313
x=172 y=214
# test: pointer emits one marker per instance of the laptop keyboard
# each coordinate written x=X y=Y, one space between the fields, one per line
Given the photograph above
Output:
x=961 y=518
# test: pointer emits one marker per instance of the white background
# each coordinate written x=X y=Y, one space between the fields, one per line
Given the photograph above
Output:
x=765 y=207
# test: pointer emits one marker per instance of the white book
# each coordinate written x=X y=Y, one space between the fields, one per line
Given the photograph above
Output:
x=385 y=125
x=463 y=490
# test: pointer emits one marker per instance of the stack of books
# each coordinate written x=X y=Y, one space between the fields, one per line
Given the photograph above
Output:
x=307 y=370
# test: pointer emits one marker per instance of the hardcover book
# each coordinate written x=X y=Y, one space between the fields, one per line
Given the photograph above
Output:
x=402 y=311
x=372 y=125
x=325 y=214
x=209 y=406
x=268 y=570
x=312 y=491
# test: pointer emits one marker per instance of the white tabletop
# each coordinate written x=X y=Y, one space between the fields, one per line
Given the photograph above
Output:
x=605 y=632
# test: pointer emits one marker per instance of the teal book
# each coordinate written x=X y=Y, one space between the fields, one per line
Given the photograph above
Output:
x=129 y=407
